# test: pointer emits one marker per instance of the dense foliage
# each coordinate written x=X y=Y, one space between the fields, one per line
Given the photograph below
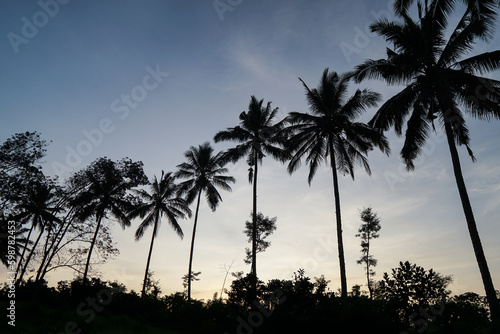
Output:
x=46 y=224
x=297 y=305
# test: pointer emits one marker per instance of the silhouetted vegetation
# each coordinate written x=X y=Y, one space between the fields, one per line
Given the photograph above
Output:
x=258 y=135
x=47 y=224
x=332 y=134
x=265 y=227
x=441 y=86
x=294 y=305
x=368 y=231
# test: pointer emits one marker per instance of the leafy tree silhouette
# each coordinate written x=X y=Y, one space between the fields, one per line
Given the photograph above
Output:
x=368 y=231
x=103 y=190
x=265 y=227
x=410 y=288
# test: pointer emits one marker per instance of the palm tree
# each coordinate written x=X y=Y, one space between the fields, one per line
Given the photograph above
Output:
x=39 y=208
x=330 y=132
x=11 y=230
x=258 y=136
x=104 y=186
x=439 y=84
x=162 y=200
x=204 y=173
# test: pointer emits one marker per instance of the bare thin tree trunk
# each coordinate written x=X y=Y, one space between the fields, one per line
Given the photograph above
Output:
x=23 y=271
x=368 y=266
x=55 y=245
x=225 y=277
x=254 y=229
x=19 y=264
x=45 y=253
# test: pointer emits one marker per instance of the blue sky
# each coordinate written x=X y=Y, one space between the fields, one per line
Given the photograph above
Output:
x=87 y=69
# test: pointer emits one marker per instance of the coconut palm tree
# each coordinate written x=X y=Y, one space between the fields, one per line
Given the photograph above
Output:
x=39 y=207
x=11 y=231
x=163 y=200
x=103 y=190
x=258 y=135
x=204 y=173
x=440 y=84
x=330 y=134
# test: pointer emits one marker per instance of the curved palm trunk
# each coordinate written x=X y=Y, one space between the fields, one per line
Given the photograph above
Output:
x=143 y=292
x=25 y=246
x=53 y=248
x=473 y=232
x=98 y=219
x=23 y=271
x=340 y=242
x=55 y=245
x=192 y=245
x=45 y=253
x=254 y=229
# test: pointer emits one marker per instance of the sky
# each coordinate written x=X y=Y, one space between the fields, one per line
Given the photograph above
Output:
x=148 y=79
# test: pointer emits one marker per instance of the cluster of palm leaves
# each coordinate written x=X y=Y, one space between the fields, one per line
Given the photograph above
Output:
x=440 y=88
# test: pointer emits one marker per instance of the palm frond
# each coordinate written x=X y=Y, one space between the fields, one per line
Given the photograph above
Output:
x=393 y=112
x=148 y=221
x=416 y=135
x=358 y=103
x=482 y=63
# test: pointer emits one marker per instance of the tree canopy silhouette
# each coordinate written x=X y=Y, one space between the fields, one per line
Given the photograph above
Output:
x=102 y=190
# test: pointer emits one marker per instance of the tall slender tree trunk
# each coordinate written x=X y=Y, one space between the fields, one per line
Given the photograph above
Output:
x=192 y=245
x=45 y=253
x=370 y=290
x=19 y=264
x=98 y=219
x=23 y=271
x=340 y=242
x=143 y=292
x=55 y=245
x=254 y=228
x=473 y=232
